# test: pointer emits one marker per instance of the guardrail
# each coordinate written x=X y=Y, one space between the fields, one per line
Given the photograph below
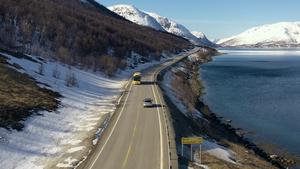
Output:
x=169 y=126
x=167 y=115
x=168 y=120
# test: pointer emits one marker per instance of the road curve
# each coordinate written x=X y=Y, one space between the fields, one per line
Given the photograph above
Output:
x=136 y=137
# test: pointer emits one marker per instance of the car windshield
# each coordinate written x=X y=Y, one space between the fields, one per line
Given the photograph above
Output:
x=148 y=100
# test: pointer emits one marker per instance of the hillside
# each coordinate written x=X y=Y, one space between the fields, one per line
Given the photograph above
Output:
x=20 y=96
x=283 y=34
x=158 y=22
x=50 y=136
x=79 y=32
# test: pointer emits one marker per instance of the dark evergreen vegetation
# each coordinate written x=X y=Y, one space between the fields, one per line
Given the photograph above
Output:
x=79 y=33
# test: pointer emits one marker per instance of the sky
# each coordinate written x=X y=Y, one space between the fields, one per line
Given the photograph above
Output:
x=219 y=18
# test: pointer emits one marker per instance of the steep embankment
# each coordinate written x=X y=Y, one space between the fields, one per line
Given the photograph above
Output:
x=223 y=146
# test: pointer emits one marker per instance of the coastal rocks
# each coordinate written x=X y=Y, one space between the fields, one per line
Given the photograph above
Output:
x=212 y=127
x=283 y=160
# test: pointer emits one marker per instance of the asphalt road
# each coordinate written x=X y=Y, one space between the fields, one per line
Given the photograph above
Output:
x=136 y=137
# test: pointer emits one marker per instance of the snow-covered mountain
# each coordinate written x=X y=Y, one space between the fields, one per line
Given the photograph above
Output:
x=282 y=34
x=135 y=15
x=174 y=27
x=201 y=36
x=159 y=23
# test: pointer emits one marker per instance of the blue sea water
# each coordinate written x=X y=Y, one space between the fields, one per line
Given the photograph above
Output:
x=259 y=90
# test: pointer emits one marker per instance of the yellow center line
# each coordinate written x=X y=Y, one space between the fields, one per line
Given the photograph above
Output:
x=131 y=142
x=127 y=155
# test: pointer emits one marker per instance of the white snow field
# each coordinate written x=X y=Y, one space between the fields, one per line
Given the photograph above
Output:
x=282 y=34
x=62 y=138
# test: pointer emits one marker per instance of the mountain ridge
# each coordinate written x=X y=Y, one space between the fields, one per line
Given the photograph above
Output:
x=133 y=14
x=138 y=16
x=277 y=35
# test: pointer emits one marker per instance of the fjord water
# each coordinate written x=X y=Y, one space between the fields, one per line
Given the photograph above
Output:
x=259 y=90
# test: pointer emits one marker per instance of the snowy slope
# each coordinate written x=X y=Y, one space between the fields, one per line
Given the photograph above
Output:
x=61 y=138
x=56 y=135
x=158 y=22
x=201 y=36
x=174 y=28
x=134 y=15
x=282 y=34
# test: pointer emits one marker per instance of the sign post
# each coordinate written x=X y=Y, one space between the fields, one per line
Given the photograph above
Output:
x=200 y=153
x=191 y=141
x=191 y=152
x=181 y=149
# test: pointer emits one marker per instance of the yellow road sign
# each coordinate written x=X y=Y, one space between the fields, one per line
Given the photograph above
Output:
x=192 y=140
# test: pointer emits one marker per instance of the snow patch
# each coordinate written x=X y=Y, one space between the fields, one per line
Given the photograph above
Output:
x=47 y=139
x=201 y=165
x=219 y=151
x=68 y=163
x=75 y=149
x=174 y=97
x=70 y=142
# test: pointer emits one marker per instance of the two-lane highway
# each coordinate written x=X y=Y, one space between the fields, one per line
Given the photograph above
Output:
x=136 y=137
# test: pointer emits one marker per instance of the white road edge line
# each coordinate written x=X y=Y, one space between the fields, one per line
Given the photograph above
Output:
x=160 y=132
x=160 y=126
x=110 y=134
x=120 y=98
x=165 y=128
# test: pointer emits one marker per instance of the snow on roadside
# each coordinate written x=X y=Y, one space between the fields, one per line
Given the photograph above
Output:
x=59 y=138
x=199 y=165
x=219 y=151
x=209 y=147
x=175 y=98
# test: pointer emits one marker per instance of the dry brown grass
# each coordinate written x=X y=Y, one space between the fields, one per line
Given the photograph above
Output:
x=20 y=96
x=245 y=160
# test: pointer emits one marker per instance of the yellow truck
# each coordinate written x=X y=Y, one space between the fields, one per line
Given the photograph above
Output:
x=137 y=78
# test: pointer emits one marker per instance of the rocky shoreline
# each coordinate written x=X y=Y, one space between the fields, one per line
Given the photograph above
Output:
x=217 y=129
x=278 y=161
x=237 y=134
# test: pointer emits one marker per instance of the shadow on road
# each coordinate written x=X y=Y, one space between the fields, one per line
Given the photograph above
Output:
x=157 y=105
x=148 y=82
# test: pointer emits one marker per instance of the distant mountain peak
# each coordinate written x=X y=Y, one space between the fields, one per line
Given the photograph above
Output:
x=133 y=14
x=158 y=22
x=198 y=34
x=102 y=9
x=204 y=39
x=281 y=34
